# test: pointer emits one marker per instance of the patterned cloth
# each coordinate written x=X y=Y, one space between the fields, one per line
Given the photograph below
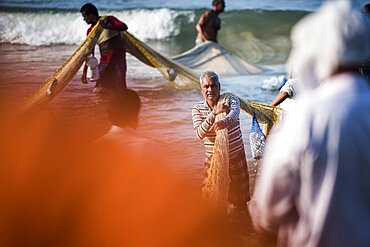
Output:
x=112 y=66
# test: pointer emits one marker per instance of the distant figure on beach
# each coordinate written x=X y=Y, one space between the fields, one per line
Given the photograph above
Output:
x=209 y=23
x=205 y=126
x=314 y=187
x=112 y=66
x=287 y=92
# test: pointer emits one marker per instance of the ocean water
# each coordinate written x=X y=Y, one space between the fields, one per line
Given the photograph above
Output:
x=36 y=37
x=177 y=4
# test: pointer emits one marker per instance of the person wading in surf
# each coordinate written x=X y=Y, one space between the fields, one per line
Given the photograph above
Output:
x=209 y=23
x=112 y=66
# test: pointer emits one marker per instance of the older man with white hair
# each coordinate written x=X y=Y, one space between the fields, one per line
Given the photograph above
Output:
x=205 y=126
x=314 y=187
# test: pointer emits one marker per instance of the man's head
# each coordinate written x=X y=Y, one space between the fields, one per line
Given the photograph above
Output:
x=334 y=39
x=90 y=13
x=210 y=86
x=124 y=107
x=218 y=5
x=366 y=9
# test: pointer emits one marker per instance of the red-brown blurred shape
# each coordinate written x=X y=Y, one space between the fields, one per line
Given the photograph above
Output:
x=58 y=190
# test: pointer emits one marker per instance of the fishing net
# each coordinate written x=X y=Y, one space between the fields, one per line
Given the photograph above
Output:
x=217 y=183
x=63 y=75
x=257 y=139
x=177 y=74
x=187 y=79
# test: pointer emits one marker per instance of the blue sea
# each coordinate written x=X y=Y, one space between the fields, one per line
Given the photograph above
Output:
x=37 y=36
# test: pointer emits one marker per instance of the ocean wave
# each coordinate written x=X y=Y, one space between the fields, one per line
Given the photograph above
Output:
x=255 y=35
x=50 y=27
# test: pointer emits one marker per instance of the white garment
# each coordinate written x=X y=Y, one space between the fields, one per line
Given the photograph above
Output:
x=290 y=88
x=315 y=181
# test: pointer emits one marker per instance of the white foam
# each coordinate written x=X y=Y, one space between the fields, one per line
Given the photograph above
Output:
x=153 y=24
x=274 y=82
x=48 y=28
x=41 y=28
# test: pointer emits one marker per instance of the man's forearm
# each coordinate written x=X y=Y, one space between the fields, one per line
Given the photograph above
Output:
x=202 y=126
x=200 y=32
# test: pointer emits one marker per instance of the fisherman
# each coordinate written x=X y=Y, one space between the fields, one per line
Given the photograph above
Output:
x=123 y=111
x=112 y=66
x=205 y=126
x=209 y=23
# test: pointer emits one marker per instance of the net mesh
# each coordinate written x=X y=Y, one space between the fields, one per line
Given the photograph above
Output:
x=184 y=79
x=63 y=75
x=217 y=183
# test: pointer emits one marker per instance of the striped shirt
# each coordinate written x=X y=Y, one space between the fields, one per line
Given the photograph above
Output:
x=203 y=119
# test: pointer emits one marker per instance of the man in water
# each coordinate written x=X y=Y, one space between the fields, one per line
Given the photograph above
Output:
x=112 y=66
x=209 y=23
x=205 y=127
x=123 y=110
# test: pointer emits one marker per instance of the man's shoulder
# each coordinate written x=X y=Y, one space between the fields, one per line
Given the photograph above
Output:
x=229 y=96
x=111 y=18
x=207 y=14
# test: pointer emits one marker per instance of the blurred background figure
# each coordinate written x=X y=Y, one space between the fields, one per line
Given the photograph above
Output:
x=123 y=110
x=112 y=66
x=209 y=23
x=313 y=187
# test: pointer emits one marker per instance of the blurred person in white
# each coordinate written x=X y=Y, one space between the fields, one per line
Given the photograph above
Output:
x=315 y=191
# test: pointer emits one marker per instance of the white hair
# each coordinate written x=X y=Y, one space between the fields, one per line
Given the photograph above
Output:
x=338 y=35
x=211 y=75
